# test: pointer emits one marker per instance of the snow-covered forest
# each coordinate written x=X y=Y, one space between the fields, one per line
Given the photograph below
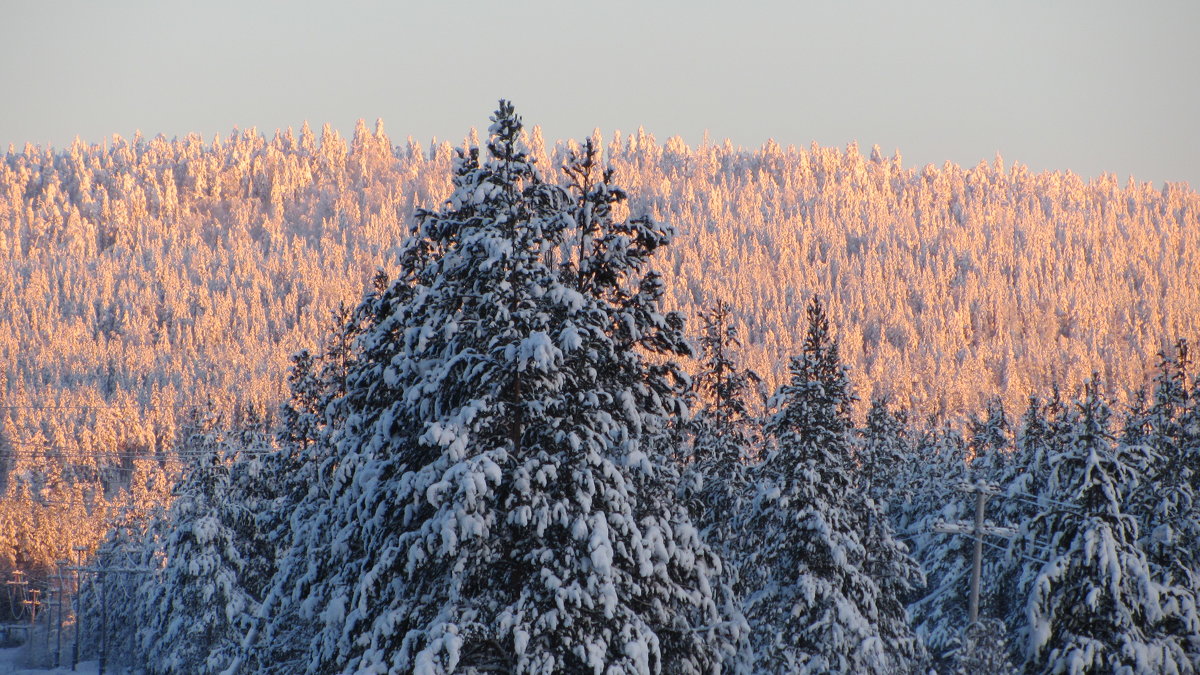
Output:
x=598 y=407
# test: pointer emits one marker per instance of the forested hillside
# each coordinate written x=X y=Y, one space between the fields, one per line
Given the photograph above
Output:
x=149 y=277
x=309 y=408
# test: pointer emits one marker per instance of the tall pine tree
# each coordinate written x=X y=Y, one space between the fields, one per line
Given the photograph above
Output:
x=824 y=578
x=196 y=608
x=502 y=500
x=1095 y=606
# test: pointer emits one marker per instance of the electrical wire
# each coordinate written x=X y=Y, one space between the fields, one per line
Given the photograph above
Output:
x=128 y=406
x=25 y=449
x=1026 y=497
x=52 y=453
x=1019 y=555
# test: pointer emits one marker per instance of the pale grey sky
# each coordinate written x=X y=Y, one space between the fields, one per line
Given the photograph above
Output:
x=1086 y=86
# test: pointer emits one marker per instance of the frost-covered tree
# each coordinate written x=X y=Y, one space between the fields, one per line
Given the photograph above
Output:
x=109 y=615
x=1095 y=606
x=724 y=433
x=990 y=437
x=940 y=611
x=983 y=650
x=148 y=274
x=197 y=607
x=724 y=424
x=1166 y=502
x=502 y=500
x=301 y=415
x=1023 y=478
x=824 y=579
x=296 y=499
x=885 y=456
x=316 y=380
x=724 y=439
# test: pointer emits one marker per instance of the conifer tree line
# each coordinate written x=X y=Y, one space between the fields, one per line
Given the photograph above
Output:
x=497 y=463
x=142 y=279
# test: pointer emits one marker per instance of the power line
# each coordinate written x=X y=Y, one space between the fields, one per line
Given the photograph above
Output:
x=1038 y=501
x=1019 y=555
x=129 y=406
x=27 y=448
x=52 y=453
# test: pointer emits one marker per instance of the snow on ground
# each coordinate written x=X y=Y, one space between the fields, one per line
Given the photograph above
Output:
x=12 y=662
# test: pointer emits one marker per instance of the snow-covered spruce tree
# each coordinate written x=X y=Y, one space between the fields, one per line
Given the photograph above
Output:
x=823 y=577
x=990 y=439
x=1094 y=606
x=316 y=380
x=197 y=607
x=724 y=433
x=301 y=416
x=942 y=615
x=885 y=456
x=725 y=437
x=940 y=459
x=303 y=509
x=502 y=501
x=982 y=650
x=1165 y=502
x=1025 y=477
x=940 y=611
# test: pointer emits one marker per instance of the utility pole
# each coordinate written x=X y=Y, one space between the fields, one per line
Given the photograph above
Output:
x=16 y=587
x=49 y=618
x=79 y=551
x=102 y=574
x=61 y=565
x=103 y=621
x=33 y=603
x=976 y=530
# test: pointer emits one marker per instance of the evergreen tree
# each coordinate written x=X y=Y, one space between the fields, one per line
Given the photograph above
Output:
x=723 y=430
x=990 y=438
x=302 y=468
x=502 y=500
x=715 y=484
x=108 y=618
x=885 y=456
x=1166 y=503
x=983 y=650
x=301 y=416
x=1094 y=606
x=824 y=578
x=1023 y=479
x=940 y=613
x=197 y=607
x=1137 y=420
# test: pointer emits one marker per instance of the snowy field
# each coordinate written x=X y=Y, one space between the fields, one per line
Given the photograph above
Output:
x=12 y=662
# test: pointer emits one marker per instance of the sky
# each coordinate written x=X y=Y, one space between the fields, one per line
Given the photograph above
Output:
x=1090 y=87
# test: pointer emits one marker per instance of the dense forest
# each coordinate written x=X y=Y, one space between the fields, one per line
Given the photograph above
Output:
x=528 y=365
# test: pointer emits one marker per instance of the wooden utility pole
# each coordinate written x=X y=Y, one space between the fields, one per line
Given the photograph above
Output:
x=79 y=552
x=16 y=591
x=103 y=621
x=101 y=575
x=61 y=565
x=49 y=618
x=976 y=530
x=33 y=603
